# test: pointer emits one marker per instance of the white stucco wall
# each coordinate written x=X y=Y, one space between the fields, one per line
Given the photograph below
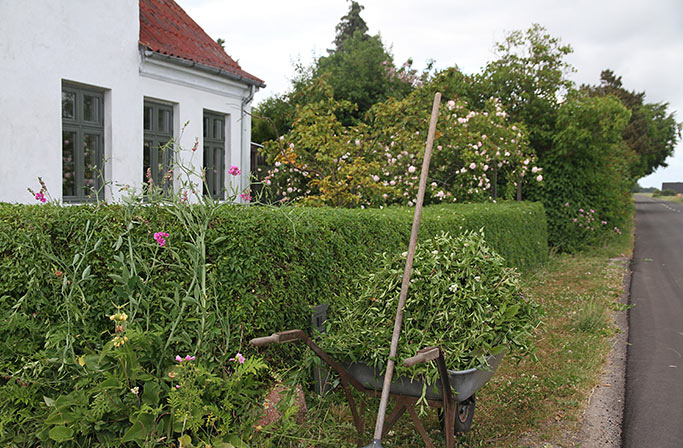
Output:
x=95 y=43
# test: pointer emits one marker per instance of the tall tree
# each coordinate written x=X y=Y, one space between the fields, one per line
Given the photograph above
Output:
x=349 y=25
x=652 y=131
x=529 y=77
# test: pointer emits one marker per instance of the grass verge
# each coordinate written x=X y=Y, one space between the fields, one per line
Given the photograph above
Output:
x=526 y=403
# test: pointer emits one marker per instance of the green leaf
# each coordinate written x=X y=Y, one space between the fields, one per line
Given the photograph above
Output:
x=150 y=393
x=135 y=433
x=220 y=239
x=119 y=242
x=61 y=434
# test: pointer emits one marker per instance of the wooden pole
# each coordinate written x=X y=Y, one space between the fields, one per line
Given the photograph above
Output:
x=406 y=275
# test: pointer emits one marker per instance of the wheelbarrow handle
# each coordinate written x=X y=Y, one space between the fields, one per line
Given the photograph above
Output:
x=423 y=355
x=265 y=340
x=280 y=337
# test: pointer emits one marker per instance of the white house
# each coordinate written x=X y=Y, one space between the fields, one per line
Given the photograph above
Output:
x=90 y=89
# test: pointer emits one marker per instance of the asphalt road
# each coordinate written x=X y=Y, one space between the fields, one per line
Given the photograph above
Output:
x=653 y=412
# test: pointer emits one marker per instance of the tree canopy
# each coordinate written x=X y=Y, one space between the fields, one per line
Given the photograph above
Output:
x=652 y=131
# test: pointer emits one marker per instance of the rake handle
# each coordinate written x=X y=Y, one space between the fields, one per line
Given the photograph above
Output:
x=384 y=400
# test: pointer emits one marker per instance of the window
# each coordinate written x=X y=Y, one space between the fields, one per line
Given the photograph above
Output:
x=214 y=155
x=82 y=143
x=157 y=153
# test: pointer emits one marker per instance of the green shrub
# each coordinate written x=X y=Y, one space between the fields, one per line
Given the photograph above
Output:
x=665 y=192
x=223 y=274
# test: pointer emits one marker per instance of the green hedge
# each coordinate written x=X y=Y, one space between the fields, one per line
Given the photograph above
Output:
x=63 y=271
x=273 y=264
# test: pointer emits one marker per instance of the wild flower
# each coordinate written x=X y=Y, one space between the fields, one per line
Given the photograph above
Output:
x=160 y=238
x=246 y=196
x=41 y=197
x=234 y=171
x=238 y=358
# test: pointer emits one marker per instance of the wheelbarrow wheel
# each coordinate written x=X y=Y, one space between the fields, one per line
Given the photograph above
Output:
x=464 y=413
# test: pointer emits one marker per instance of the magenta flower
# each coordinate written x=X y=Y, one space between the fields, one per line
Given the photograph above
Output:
x=178 y=358
x=159 y=237
x=239 y=358
x=234 y=171
x=246 y=197
x=189 y=358
x=41 y=197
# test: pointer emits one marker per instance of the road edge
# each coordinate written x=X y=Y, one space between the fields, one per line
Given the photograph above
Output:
x=602 y=420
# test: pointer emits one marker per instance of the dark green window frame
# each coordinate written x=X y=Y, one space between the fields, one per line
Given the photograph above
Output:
x=82 y=143
x=214 y=155
x=157 y=158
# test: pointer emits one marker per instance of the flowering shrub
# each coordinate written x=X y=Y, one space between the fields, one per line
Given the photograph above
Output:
x=477 y=155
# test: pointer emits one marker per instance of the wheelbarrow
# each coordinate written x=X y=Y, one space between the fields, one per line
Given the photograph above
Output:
x=457 y=410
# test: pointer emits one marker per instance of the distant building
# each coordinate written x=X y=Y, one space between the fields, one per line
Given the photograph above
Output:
x=92 y=89
x=675 y=186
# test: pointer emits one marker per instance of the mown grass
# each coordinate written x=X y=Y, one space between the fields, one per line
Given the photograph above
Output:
x=527 y=402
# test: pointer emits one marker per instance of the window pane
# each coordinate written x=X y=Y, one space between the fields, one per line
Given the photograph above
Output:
x=160 y=168
x=220 y=175
x=206 y=126
x=217 y=129
x=146 y=161
x=68 y=105
x=68 y=174
x=90 y=168
x=147 y=120
x=165 y=121
x=91 y=108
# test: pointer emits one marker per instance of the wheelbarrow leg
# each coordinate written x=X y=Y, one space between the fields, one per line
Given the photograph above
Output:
x=396 y=413
x=448 y=402
x=420 y=428
x=357 y=421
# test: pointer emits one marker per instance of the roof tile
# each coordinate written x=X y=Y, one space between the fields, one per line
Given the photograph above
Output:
x=167 y=29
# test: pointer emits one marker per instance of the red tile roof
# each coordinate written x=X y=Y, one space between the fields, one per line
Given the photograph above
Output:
x=166 y=28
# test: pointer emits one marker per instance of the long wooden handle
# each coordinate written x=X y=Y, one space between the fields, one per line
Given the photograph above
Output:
x=379 y=425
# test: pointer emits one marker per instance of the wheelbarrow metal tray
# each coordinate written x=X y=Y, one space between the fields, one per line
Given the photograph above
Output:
x=465 y=382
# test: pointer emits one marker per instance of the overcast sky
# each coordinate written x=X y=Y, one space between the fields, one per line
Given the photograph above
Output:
x=640 y=40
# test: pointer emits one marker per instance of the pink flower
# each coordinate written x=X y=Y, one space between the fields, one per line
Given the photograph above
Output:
x=178 y=358
x=246 y=197
x=539 y=178
x=566 y=204
x=159 y=237
x=473 y=165
x=234 y=171
x=411 y=169
x=239 y=358
x=189 y=358
x=177 y=386
x=41 y=197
